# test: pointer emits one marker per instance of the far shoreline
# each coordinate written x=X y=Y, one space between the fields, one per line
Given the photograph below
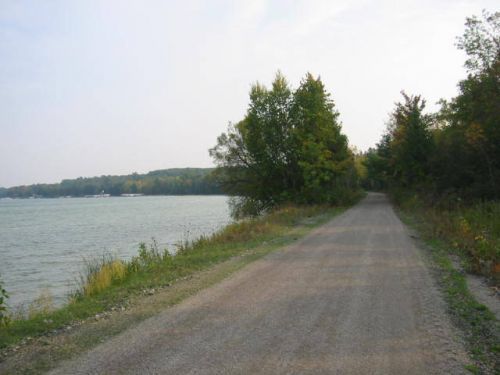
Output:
x=114 y=196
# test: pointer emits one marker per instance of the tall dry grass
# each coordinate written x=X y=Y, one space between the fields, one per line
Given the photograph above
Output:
x=99 y=274
x=469 y=228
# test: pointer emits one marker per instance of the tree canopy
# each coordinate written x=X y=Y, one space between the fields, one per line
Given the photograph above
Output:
x=288 y=148
x=457 y=150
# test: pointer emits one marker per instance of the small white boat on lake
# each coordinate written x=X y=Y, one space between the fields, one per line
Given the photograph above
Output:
x=102 y=195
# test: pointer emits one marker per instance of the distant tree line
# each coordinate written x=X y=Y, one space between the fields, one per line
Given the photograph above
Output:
x=289 y=148
x=456 y=151
x=179 y=181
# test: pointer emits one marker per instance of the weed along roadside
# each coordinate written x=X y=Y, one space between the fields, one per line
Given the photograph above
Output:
x=116 y=295
x=471 y=231
x=480 y=327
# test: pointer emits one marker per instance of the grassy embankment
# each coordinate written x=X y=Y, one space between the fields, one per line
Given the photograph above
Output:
x=471 y=231
x=470 y=234
x=110 y=283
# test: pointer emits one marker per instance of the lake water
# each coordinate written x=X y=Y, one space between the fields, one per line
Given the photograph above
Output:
x=43 y=242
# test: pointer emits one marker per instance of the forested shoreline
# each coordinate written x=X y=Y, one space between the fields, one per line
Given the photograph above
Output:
x=175 y=181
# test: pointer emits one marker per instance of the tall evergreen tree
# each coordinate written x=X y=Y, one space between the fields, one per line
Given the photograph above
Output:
x=322 y=152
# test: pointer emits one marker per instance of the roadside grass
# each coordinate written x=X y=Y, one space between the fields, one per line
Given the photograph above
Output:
x=479 y=325
x=4 y=318
x=109 y=283
x=471 y=231
x=99 y=274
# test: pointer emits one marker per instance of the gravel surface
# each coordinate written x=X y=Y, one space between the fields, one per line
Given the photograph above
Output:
x=353 y=297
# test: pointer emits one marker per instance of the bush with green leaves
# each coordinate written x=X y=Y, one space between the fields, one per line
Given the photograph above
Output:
x=4 y=318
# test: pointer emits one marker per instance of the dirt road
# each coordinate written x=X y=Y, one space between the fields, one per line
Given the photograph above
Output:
x=353 y=297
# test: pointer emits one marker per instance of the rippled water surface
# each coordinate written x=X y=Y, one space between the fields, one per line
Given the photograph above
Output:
x=43 y=242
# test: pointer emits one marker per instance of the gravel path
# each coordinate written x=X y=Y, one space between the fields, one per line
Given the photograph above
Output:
x=353 y=297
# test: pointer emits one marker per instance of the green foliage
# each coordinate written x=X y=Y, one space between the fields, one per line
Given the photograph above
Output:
x=468 y=139
x=472 y=230
x=177 y=181
x=402 y=156
x=288 y=148
x=377 y=168
x=148 y=256
x=481 y=42
x=411 y=142
x=469 y=136
x=469 y=161
x=455 y=152
x=325 y=162
x=4 y=318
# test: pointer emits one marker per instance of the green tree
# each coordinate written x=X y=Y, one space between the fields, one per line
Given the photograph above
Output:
x=288 y=148
x=325 y=162
x=376 y=161
x=470 y=135
x=457 y=150
x=481 y=42
x=254 y=154
x=410 y=141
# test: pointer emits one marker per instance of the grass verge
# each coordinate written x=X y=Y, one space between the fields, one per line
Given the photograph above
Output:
x=144 y=286
x=471 y=230
x=480 y=327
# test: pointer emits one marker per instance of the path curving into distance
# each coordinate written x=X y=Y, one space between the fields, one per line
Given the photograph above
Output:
x=352 y=297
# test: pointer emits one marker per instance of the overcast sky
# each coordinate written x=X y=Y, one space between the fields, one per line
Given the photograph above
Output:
x=112 y=87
